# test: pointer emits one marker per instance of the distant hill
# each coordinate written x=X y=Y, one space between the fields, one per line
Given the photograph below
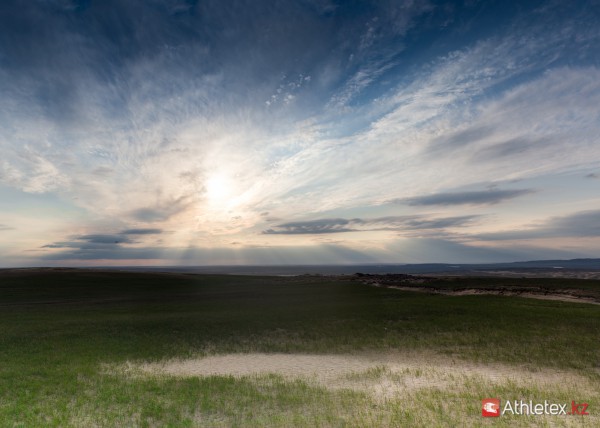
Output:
x=422 y=268
x=565 y=264
x=580 y=264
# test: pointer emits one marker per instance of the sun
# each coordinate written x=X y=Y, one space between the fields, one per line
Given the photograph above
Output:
x=219 y=190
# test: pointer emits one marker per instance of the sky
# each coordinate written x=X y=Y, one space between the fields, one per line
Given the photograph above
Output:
x=205 y=132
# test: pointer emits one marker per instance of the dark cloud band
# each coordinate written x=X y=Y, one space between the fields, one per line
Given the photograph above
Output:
x=393 y=223
x=488 y=197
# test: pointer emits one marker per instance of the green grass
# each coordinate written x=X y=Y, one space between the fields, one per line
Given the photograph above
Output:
x=57 y=331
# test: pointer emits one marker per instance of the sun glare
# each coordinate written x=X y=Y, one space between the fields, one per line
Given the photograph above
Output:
x=219 y=190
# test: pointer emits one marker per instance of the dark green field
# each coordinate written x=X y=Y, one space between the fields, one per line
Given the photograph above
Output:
x=64 y=335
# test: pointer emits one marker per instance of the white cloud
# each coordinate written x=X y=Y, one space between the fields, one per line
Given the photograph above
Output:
x=146 y=145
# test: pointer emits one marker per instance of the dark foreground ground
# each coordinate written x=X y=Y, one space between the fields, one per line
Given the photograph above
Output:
x=65 y=333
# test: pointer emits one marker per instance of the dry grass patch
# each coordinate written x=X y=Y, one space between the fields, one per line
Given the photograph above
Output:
x=382 y=375
x=380 y=388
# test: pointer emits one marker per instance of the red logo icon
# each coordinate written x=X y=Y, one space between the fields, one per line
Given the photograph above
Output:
x=490 y=407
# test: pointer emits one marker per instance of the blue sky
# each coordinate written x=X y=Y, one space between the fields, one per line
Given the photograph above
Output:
x=164 y=132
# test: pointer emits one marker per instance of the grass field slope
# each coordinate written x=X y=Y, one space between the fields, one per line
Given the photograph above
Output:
x=85 y=348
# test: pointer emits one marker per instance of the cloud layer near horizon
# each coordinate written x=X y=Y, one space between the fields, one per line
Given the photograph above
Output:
x=177 y=124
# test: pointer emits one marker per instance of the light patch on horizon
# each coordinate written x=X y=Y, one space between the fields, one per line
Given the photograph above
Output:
x=386 y=124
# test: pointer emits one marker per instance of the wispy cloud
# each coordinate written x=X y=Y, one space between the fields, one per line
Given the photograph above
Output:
x=486 y=197
x=579 y=225
x=331 y=225
x=394 y=223
x=196 y=118
x=100 y=241
x=161 y=211
x=142 y=231
x=94 y=241
x=170 y=125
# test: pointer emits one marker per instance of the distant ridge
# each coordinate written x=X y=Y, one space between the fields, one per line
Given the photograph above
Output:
x=373 y=268
x=567 y=264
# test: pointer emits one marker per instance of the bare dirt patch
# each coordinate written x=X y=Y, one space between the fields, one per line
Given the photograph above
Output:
x=557 y=296
x=383 y=375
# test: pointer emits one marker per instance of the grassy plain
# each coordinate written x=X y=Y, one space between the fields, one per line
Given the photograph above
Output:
x=64 y=335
